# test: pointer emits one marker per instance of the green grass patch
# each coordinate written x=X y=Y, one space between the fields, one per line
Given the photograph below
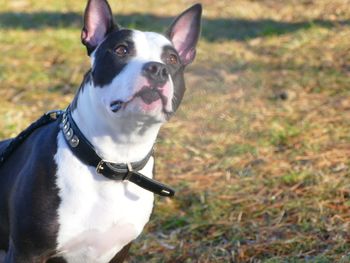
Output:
x=258 y=151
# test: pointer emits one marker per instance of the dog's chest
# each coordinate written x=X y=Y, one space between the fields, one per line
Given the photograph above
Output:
x=97 y=216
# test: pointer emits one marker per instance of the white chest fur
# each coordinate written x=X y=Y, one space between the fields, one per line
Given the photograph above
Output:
x=97 y=216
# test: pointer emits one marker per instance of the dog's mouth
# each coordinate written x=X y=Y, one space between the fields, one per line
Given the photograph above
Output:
x=147 y=94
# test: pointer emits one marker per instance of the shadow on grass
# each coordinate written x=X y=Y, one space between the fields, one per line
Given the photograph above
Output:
x=213 y=29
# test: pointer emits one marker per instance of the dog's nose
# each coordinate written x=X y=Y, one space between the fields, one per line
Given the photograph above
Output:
x=156 y=72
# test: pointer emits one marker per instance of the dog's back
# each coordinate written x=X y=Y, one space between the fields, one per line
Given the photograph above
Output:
x=25 y=178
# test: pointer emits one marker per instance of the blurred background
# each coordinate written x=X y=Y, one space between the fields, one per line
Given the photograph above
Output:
x=259 y=150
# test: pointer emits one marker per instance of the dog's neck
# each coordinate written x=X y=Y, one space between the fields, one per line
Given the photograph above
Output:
x=120 y=140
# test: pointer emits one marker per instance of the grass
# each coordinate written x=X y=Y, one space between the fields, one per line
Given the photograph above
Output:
x=259 y=150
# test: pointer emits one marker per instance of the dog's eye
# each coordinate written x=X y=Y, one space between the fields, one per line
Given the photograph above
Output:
x=171 y=59
x=121 y=50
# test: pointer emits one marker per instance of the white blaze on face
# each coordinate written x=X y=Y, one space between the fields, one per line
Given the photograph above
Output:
x=149 y=47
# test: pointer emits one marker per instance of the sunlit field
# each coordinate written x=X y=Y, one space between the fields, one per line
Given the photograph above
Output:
x=259 y=149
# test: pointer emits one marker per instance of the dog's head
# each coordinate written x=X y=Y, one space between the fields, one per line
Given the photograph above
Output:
x=138 y=73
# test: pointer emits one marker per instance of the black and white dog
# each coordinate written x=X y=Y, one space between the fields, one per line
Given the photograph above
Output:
x=56 y=205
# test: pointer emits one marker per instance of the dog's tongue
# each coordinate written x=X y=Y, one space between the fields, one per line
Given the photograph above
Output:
x=149 y=95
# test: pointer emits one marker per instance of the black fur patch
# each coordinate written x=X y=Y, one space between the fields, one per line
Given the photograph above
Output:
x=28 y=188
x=176 y=72
x=107 y=63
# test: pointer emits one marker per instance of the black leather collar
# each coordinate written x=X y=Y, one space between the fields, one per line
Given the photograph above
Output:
x=85 y=151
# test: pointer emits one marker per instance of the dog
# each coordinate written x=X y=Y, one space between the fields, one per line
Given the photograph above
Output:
x=77 y=185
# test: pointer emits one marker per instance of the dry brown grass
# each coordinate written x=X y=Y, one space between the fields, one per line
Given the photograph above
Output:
x=259 y=151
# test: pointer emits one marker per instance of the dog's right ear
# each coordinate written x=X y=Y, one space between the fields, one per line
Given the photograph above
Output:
x=98 y=23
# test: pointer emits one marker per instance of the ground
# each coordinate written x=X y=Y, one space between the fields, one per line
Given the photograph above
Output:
x=259 y=150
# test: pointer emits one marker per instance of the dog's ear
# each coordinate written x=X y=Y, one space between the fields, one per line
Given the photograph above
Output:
x=98 y=22
x=184 y=33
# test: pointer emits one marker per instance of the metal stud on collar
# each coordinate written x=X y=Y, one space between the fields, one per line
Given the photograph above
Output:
x=66 y=127
x=74 y=141
x=64 y=119
x=69 y=134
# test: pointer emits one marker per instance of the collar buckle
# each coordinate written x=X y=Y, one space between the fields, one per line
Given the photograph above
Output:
x=129 y=173
x=100 y=167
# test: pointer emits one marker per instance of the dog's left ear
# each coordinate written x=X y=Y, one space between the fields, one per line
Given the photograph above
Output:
x=98 y=23
x=184 y=33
